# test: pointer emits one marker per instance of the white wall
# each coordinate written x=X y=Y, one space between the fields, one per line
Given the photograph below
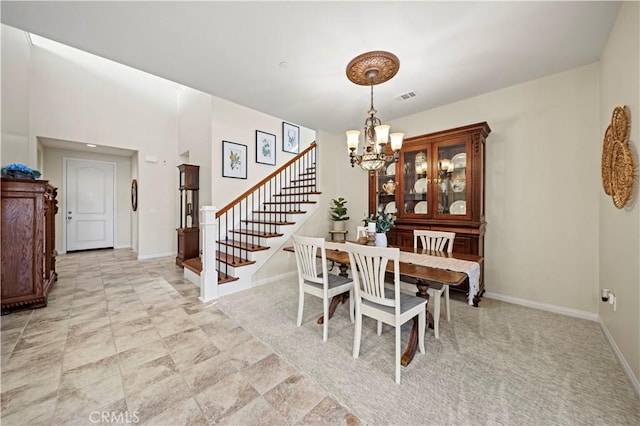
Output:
x=542 y=172
x=194 y=135
x=53 y=171
x=79 y=97
x=16 y=57
x=619 y=230
x=236 y=123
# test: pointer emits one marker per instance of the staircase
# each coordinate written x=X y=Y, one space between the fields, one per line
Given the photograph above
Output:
x=254 y=226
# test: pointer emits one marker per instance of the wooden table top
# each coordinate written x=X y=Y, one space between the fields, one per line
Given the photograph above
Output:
x=426 y=273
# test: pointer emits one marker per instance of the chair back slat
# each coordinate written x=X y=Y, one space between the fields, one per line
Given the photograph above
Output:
x=369 y=272
x=306 y=249
x=434 y=240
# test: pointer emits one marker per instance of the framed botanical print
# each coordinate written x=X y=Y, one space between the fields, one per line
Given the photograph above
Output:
x=265 y=148
x=290 y=138
x=234 y=160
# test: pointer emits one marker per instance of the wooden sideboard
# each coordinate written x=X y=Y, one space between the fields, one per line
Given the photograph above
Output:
x=28 y=243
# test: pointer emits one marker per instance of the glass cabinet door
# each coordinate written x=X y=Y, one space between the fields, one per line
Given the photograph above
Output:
x=387 y=185
x=415 y=182
x=451 y=179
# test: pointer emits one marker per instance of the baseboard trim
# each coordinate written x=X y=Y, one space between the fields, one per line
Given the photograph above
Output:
x=155 y=255
x=623 y=362
x=285 y=276
x=126 y=246
x=543 y=306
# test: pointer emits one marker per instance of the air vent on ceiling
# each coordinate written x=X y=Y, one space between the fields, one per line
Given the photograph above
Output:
x=407 y=95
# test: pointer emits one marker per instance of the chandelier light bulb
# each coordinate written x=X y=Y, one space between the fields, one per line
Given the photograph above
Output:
x=396 y=141
x=353 y=138
x=382 y=134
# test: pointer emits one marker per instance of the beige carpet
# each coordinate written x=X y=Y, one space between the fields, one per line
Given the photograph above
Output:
x=496 y=364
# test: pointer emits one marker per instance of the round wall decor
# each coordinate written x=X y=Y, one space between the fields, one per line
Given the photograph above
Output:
x=134 y=195
x=618 y=165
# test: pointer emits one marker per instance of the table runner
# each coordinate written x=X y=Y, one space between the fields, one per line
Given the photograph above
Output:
x=472 y=269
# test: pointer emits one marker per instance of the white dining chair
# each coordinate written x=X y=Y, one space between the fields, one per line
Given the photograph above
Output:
x=437 y=241
x=373 y=299
x=316 y=281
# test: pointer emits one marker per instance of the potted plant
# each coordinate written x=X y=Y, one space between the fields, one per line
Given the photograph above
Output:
x=383 y=222
x=339 y=213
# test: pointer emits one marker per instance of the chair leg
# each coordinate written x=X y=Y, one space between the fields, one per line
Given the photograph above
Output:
x=379 y=328
x=422 y=326
x=325 y=324
x=300 y=306
x=436 y=315
x=356 y=334
x=446 y=302
x=351 y=305
x=398 y=351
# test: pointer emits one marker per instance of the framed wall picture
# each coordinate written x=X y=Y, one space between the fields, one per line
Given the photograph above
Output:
x=234 y=160
x=265 y=148
x=290 y=138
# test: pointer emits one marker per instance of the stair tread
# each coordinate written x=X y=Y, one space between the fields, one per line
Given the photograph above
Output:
x=243 y=246
x=280 y=212
x=194 y=265
x=299 y=186
x=290 y=202
x=233 y=260
x=256 y=233
x=268 y=222
x=303 y=180
x=225 y=278
x=298 y=193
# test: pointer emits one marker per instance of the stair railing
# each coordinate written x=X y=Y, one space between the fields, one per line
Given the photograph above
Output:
x=272 y=198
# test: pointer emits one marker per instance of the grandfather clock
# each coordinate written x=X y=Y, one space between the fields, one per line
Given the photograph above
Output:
x=189 y=231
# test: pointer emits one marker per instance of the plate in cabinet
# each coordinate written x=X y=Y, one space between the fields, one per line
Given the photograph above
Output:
x=420 y=186
x=459 y=160
x=420 y=208
x=458 y=207
x=391 y=208
x=391 y=169
x=458 y=185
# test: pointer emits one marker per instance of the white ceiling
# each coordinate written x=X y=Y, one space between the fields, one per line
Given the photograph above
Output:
x=288 y=59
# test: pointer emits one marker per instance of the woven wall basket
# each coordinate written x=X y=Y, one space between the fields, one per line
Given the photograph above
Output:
x=618 y=165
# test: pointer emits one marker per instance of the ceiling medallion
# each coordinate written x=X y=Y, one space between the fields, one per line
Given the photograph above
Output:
x=372 y=68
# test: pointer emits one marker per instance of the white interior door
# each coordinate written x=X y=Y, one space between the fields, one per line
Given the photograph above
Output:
x=89 y=204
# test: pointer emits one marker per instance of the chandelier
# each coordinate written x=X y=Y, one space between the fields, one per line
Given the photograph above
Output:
x=370 y=69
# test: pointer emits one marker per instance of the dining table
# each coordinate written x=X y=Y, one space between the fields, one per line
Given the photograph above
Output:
x=412 y=266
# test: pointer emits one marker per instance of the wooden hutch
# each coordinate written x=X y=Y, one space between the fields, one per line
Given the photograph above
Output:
x=437 y=183
x=28 y=243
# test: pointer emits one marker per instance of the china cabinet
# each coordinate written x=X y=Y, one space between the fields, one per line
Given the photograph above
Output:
x=28 y=243
x=188 y=232
x=438 y=184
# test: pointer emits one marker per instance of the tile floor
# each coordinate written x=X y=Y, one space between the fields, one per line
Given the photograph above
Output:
x=125 y=341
